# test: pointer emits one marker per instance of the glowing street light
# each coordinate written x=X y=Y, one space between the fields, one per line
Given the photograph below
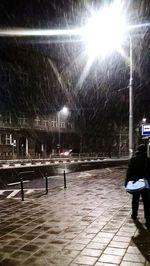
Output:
x=144 y=120
x=105 y=33
x=64 y=111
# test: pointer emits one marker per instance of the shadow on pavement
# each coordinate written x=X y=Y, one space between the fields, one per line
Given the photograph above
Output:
x=142 y=240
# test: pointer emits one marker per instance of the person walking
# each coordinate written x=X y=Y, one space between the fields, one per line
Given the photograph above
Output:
x=139 y=168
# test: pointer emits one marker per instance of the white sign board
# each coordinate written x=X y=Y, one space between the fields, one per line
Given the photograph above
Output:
x=146 y=130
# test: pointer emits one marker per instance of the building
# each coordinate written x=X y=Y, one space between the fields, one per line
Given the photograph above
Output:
x=30 y=102
x=36 y=136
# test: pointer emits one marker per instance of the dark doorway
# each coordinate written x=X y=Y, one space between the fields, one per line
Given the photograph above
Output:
x=22 y=147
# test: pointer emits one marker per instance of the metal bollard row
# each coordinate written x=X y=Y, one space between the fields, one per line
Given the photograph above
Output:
x=46 y=184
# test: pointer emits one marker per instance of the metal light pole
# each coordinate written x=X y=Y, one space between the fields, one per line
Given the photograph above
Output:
x=64 y=111
x=59 y=132
x=131 y=101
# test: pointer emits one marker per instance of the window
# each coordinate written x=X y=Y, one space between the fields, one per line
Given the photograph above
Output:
x=62 y=125
x=54 y=123
x=45 y=123
x=37 y=121
x=70 y=125
x=1 y=118
x=23 y=78
x=22 y=119
x=4 y=75
x=6 y=139
x=7 y=118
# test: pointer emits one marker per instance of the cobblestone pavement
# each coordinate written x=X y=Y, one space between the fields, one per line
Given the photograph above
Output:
x=86 y=224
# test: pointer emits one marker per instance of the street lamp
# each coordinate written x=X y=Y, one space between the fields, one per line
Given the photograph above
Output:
x=63 y=111
x=143 y=120
x=104 y=33
x=131 y=101
x=13 y=147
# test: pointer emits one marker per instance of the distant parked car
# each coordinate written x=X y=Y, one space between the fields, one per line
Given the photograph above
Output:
x=66 y=153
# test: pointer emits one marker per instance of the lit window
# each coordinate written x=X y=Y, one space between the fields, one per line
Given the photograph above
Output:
x=45 y=123
x=54 y=123
x=62 y=125
x=6 y=139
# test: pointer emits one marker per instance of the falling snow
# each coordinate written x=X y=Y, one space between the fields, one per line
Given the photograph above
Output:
x=55 y=71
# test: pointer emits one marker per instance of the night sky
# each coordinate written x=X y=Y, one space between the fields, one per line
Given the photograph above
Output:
x=104 y=92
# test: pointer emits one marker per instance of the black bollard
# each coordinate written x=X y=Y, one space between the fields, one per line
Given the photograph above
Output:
x=46 y=183
x=65 y=180
x=22 y=192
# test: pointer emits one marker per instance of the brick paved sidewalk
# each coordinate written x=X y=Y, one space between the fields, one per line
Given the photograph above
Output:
x=86 y=224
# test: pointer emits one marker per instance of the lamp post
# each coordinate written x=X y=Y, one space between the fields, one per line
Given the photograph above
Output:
x=13 y=148
x=103 y=34
x=131 y=101
x=63 y=111
x=22 y=147
x=58 y=145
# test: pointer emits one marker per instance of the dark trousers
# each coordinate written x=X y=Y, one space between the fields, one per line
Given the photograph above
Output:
x=146 y=201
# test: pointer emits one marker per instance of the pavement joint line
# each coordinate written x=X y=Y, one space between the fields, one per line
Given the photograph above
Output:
x=15 y=192
x=26 y=172
x=115 y=214
x=5 y=190
x=27 y=200
x=51 y=177
x=29 y=191
x=18 y=183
